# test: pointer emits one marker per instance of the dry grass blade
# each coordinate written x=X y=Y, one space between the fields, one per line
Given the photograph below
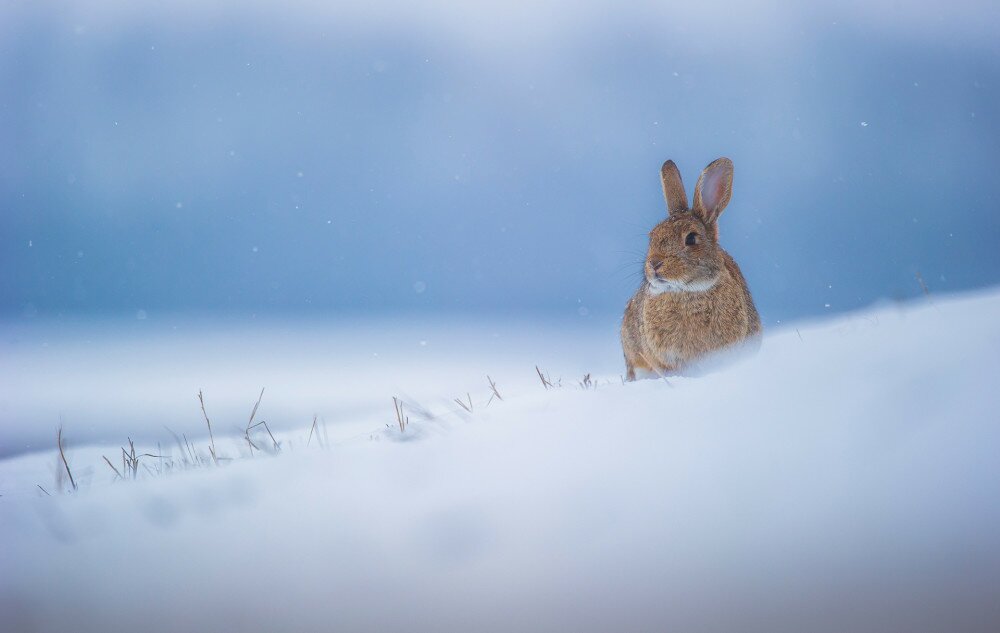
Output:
x=130 y=460
x=401 y=419
x=277 y=446
x=62 y=454
x=250 y=443
x=467 y=407
x=255 y=406
x=134 y=458
x=545 y=382
x=493 y=388
x=312 y=430
x=211 y=438
x=43 y=490
x=263 y=423
x=180 y=445
x=130 y=463
x=246 y=433
x=118 y=474
x=190 y=449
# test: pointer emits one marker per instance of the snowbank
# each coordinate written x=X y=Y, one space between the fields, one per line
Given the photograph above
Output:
x=843 y=479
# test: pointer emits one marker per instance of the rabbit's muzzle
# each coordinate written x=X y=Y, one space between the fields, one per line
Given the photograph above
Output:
x=673 y=274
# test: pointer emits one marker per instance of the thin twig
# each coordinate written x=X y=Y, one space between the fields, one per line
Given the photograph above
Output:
x=43 y=490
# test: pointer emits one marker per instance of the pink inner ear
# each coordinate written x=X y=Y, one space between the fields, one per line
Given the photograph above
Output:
x=712 y=188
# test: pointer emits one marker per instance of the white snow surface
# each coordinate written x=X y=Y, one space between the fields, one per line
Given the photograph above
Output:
x=844 y=478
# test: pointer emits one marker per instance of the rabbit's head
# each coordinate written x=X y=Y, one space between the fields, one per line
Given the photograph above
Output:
x=684 y=253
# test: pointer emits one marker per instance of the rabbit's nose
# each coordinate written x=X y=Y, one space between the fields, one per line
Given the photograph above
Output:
x=655 y=264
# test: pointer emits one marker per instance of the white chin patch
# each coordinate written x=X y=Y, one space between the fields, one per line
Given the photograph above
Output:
x=658 y=287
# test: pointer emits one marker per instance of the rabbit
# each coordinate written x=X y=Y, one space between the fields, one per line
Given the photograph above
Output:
x=693 y=299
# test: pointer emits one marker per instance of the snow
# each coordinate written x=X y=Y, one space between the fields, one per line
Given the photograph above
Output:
x=845 y=478
x=107 y=379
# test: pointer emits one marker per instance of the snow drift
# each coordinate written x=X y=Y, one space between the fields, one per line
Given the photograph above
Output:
x=843 y=479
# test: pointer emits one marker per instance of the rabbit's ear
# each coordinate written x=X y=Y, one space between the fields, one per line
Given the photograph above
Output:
x=714 y=188
x=673 y=188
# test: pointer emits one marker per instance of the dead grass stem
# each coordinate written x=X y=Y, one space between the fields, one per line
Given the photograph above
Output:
x=62 y=454
x=211 y=438
x=493 y=388
x=112 y=466
x=467 y=407
x=401 y=419
x=312 y=431
x=545 y=381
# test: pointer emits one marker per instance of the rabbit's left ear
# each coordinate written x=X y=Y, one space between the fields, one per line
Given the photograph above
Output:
x=713 y=191
x=673 y=188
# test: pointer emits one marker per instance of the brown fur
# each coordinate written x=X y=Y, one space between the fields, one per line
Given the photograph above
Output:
x=694 y=299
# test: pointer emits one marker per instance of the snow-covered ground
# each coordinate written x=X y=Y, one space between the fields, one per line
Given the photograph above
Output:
x=110 y=379
x=846 y=478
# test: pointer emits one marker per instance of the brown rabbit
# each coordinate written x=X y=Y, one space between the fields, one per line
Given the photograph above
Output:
x=693 y=299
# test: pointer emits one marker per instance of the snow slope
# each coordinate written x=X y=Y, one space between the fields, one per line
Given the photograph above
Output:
x=846 y=478
x=110 y=379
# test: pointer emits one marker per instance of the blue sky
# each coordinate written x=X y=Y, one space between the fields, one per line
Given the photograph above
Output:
x=251 y=159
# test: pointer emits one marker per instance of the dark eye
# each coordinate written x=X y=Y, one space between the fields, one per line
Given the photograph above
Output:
x=691 y=239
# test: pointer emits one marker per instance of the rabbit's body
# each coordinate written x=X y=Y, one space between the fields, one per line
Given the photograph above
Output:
x=694 y=299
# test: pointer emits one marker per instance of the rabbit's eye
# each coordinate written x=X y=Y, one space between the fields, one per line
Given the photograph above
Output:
x=691 y=239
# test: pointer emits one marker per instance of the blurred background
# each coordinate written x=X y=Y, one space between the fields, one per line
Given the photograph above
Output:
x=365 y=157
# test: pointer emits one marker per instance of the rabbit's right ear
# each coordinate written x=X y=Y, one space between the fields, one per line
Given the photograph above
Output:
x=673 y=188
x=713 y=190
